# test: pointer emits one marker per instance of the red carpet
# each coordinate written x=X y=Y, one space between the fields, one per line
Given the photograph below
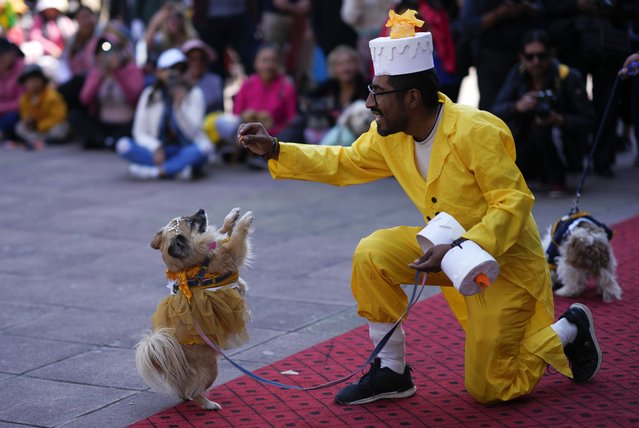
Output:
x=435 y=351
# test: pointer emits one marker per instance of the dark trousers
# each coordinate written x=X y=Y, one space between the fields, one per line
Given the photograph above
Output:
x=492 y=68
x=70 y=91
x=95 y=134
x=538 y=158
x=235 y=31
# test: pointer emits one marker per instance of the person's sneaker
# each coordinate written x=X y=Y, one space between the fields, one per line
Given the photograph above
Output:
x=584 y=354
x=185 y=175
x=378 y=383
x=143 y=172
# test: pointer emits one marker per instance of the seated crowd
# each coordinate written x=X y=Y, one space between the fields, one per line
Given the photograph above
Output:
x=169 y=103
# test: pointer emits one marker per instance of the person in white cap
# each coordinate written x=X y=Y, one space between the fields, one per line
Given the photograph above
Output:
x=461 y=161
x=168 y=140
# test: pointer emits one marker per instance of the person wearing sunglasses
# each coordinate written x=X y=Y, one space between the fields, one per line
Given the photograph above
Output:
x=547 y=109
x=449 y=159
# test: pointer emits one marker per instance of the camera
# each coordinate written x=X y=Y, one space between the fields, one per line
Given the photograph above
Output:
x=545 y=101
x=105 y=47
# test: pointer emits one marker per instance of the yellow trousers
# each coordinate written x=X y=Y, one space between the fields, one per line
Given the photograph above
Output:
x=509 y=341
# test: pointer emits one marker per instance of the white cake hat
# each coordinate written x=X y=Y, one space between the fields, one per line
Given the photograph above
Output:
x=404 y=52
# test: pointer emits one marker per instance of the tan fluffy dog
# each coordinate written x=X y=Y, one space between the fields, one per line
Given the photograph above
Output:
x=203 y=263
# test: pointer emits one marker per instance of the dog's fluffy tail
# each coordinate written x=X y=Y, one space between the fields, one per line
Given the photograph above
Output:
x=162 y=363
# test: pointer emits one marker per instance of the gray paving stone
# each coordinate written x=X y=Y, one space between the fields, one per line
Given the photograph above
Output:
x=4 y=376
x=16 y=312
x=228 y=372
x=45 y=403
x=276 y=314
x=280 y=347
x=114 y=329
x=70 y=252
x=99 y=367
x=124 y=412
x=305 y=288
x=21 y=354
x=10 y=425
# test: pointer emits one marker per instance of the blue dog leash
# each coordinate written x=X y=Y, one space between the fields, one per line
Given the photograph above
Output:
x=415 y=294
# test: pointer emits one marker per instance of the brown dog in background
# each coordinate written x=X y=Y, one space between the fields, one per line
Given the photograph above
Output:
x=203 y=264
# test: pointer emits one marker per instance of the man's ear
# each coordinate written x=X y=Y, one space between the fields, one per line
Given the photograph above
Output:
x=413 y=99
x=157 y=240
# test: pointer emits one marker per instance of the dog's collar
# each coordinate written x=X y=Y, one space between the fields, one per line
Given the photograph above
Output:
x=198 y=276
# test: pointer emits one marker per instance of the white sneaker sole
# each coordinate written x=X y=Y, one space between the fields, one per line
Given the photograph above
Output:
x=386 y=395
x=591 y=329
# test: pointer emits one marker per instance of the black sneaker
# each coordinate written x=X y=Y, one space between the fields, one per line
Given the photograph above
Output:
x=584 y=353
x=378 y=383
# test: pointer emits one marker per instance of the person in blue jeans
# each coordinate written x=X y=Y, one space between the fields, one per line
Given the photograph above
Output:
x=167 y=128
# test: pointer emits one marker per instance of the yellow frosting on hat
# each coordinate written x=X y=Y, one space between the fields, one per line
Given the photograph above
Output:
x=403 y=25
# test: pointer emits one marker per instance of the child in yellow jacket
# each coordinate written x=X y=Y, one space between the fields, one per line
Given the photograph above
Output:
x=43 y=112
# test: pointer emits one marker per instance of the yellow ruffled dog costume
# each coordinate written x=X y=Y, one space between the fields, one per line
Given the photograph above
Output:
x=219 y=307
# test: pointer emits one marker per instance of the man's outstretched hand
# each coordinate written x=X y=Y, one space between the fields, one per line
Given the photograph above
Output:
x=254 y=137
x=431 y=260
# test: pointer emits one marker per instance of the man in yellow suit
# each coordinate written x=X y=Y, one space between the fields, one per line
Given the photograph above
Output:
x=461 y=161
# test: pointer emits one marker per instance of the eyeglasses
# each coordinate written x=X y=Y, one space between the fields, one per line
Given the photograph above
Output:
x=539 y=55
x=375 y=94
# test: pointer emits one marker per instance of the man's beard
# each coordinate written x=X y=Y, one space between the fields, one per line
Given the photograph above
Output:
x=400 y=126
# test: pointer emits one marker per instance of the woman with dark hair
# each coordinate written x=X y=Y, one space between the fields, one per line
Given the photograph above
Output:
x=167 y=137
x=109 y=93
x=546 y=107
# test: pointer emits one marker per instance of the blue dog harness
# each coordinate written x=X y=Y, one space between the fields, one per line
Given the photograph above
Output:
x=562 y=229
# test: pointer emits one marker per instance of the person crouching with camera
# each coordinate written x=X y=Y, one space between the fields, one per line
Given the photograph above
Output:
x=546 y=107
x=168 y=140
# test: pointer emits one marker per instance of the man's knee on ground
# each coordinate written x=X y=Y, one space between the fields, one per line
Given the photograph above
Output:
x=492 y=363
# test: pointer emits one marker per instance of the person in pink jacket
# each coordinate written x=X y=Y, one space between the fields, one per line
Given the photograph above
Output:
x=109 y=94
x=51 y=28
x=11 y=65
x=266 y=96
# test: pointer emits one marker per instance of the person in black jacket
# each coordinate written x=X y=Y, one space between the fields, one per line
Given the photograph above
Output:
x=547 y=109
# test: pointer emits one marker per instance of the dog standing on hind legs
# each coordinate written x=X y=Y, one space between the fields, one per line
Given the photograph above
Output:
x=578 y=248
x=203 y=265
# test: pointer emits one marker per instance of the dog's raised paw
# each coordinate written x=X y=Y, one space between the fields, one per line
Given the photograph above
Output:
x=206 y=404
x=230 y=220
x=246 y=220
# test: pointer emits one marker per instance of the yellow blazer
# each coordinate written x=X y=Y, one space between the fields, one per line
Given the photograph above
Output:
x=48 y=109
x=472 y=176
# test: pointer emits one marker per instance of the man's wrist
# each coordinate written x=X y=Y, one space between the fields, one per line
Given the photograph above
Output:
x=274 y=150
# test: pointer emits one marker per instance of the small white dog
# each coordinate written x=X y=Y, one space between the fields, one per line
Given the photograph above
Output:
x=578 y=248
x=354 y=121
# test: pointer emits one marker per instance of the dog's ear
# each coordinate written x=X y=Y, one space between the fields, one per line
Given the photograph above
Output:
x=201 y=219
x=157 y=240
